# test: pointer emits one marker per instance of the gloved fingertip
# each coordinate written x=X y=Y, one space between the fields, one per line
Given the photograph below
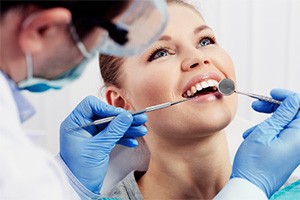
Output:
x=144 y=130
x=133 y=144
x=280 y=94
x=144 y=116
x=141 y=116
x=263 y=106
x=136 y=131
x=140 y=119
x=117 y=127
x=126 y=117
x=128 y=142
x=276 y=90
x=255 y=104
x=259 y=104
x=247 y=132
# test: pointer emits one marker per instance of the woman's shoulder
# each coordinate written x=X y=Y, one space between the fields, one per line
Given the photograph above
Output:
x=127 y=189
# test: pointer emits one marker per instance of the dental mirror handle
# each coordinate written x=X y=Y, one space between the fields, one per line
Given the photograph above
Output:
x=260 y=97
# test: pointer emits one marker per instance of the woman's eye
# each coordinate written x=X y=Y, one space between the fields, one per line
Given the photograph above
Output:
x=206 y=41
x=158 y=53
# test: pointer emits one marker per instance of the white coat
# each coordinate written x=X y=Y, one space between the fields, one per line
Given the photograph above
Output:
x=26 y=171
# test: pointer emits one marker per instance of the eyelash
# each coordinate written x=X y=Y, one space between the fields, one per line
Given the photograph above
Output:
x=212 y=39
x=156 y=50
x=153 y=53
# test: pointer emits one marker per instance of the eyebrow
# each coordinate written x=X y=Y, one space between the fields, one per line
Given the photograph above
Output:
x=201 y=28
x=197 y=30
x=165 y=38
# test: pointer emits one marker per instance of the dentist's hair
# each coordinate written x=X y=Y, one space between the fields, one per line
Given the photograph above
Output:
x=83 y=12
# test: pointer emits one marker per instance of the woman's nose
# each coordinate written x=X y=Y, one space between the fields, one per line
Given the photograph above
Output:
x=193 y=59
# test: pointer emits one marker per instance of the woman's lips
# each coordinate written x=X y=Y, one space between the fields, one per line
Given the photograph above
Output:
x=204 y=83
x=208 y=97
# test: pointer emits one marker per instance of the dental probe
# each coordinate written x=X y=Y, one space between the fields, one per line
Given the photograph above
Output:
x=227 y=87
x=148 y=109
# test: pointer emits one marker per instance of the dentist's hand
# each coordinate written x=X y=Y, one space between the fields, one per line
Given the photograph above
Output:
x=271 y=150
x=86 y=150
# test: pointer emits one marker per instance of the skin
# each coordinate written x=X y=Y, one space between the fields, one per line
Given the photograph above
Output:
x=189 y=154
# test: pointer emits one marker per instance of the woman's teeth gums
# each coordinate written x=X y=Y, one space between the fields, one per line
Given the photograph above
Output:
x=200 y=86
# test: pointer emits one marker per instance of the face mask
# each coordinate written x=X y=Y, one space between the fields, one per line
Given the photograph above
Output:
x=34 y=84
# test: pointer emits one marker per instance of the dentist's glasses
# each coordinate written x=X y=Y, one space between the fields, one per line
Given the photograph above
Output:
x=139 y=26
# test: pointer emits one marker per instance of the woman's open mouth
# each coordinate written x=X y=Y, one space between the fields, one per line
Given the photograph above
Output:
x=202 y=88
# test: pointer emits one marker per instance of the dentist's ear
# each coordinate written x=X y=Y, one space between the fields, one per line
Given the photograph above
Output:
x=116 y=97
x=40 y=28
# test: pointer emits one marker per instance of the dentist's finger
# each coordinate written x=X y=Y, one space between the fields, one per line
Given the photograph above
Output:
x=116 y=128
x=128 y=142
x=136 y=131
x=249 y=131
x=284 y=114
x=280 y=94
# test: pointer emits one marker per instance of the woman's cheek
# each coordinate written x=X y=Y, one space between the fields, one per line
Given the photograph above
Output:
x=228 y=65
x=147 y=91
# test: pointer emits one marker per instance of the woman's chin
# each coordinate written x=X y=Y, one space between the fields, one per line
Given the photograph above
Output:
x=211 y=123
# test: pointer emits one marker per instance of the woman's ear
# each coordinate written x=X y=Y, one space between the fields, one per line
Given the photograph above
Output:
x=116 y=97
x=38 y=27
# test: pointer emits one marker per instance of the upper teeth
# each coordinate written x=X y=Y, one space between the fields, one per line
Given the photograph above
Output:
x=200 y=86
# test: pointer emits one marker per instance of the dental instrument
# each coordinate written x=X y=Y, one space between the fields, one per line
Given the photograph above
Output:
x=148 y=109
x=227 y=87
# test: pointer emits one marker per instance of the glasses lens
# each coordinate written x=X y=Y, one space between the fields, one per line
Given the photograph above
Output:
x=144 y=21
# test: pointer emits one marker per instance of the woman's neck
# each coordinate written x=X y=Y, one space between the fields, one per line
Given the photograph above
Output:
x=199 y=170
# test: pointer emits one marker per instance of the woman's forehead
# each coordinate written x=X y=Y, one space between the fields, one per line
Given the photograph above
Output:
x=183 y=16
x=176 y=9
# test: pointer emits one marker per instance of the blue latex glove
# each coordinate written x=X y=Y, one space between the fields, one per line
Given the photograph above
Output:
x=86 y=151
x=271 y=150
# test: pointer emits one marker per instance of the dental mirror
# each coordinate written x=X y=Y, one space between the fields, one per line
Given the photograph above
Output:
x=227 y=87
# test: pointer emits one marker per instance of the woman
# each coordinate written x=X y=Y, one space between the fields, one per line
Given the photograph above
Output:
x=188 y=148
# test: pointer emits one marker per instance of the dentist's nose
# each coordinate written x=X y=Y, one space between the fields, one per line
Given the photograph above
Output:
x=194 y=59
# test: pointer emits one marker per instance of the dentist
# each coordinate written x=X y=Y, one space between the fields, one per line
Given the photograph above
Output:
x=46 y=44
